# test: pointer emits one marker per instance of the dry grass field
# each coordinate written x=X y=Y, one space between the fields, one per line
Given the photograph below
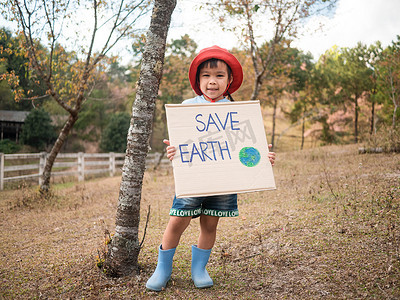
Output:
x=331 y=230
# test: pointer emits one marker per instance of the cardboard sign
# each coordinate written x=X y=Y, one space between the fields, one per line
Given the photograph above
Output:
x=221 y=148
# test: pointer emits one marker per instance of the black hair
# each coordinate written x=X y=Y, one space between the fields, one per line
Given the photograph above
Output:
x=229 y=96
x=213 y=63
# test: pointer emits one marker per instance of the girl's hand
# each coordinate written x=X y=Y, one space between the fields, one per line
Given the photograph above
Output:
x=271 y=155
x=171 y=150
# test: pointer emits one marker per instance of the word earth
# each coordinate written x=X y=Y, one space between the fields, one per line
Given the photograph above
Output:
x=214 y=148
x=210 y=150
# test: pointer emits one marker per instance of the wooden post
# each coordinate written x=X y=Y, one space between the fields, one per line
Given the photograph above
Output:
x=1 y=171
x=42 y=163
x=112 y=163
x=81 y=166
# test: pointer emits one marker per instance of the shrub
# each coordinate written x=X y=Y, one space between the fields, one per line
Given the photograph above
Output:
x=113 y=138
x=386 y=138
x=7 y=146
x=37 y=130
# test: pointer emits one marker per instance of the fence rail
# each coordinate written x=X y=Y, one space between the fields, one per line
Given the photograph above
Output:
x=15 y=167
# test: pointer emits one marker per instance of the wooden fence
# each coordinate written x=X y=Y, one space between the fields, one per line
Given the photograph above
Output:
x=14 y=167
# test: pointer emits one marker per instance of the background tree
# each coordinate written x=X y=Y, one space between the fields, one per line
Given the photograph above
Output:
x=175 y=86
x=37 y=130
x=388 y=68
x=250 y=19
x=302 y=73
x=110 y=95
x=7 y=99
x=124 y=247
x=356 y=78
x=113 y=138
x=16 y=80
x=327 y=92
x=69 y=76
x=277 y=85
x=374 y=97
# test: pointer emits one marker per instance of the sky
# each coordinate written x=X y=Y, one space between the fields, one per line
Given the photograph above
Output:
x=366 y=21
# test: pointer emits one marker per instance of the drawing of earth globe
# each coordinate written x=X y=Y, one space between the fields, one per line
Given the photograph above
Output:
x=249 y=156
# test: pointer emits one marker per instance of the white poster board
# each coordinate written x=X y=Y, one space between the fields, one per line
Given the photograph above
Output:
x=221 y=148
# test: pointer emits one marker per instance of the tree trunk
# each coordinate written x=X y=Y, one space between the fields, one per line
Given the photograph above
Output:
x=273 y=121
x=254 y=56
x=45 y=183
x=356 y=119
x=372 y=118
x=303 y=127
x=393 y=96
x=124 y=247
x=256 y=87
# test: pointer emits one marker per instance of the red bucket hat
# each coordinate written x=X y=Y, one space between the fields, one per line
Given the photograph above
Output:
x=222 y=54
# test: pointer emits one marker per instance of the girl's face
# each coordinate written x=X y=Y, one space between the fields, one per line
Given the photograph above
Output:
x=214 y=81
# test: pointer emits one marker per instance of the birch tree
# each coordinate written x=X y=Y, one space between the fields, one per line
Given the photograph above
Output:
x=124 y=247
x=69 y=75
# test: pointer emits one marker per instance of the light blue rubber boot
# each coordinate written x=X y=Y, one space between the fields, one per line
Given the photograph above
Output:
x=200 y=275
x=163 y=271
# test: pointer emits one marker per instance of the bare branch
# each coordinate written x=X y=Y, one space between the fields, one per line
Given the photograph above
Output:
x=36 y=97
x=123 y=33
x=88 y=67
x=115 y=24
x=118 y=23
x=27 y=31
x=145 y=227
x=51 y=26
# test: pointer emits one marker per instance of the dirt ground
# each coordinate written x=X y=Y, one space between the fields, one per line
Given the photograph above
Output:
x=331 y=230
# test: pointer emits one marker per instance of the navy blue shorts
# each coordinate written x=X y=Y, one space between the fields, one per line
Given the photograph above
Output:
x=217 y=206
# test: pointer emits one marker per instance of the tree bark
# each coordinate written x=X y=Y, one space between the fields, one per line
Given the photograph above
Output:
x=124 y=248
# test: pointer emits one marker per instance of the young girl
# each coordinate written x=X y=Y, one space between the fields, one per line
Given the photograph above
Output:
x=214 y=74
